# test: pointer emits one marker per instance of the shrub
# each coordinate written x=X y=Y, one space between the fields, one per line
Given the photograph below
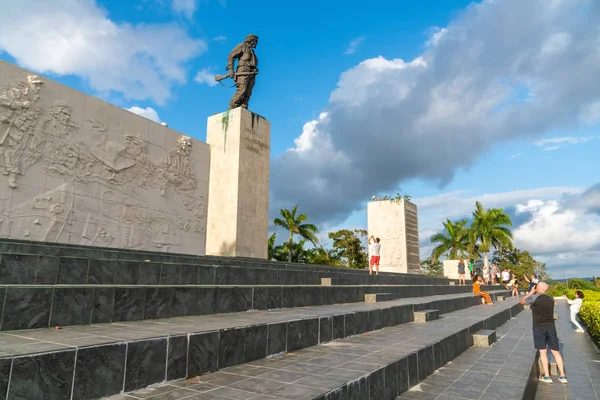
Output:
x=590 y=314
x=588 y=295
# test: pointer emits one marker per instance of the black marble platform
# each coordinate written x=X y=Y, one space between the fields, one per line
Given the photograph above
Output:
x=379 y=366
x=105 y=359
x=30 y=307
x=32 y=269
x=37 y=263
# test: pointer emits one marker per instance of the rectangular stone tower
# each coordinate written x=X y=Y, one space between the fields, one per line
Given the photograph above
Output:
x=396 y=224
x=238 y=194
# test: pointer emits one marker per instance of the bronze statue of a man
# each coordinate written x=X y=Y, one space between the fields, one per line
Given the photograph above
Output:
x=246 y=71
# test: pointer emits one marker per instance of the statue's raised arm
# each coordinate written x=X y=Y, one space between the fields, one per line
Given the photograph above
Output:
x=245 y=73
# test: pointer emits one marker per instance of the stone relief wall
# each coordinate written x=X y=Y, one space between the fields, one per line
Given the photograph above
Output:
x=74 y=169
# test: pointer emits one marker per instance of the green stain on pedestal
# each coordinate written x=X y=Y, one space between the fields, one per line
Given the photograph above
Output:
x=225 y=126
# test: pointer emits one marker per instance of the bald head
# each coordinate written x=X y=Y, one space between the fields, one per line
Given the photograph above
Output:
x=542 y=287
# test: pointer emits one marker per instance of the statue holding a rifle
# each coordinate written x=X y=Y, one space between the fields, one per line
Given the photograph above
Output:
x=245 y=73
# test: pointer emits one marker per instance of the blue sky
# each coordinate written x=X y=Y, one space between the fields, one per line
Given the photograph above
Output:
x=447 y=100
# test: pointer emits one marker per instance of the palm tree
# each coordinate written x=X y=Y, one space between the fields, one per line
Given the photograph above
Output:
x=299 y=253
x=491 y=229
x=294 y=225
x=271 y=246
x=454 y=241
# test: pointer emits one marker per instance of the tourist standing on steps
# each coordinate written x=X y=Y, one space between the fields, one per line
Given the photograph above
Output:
x=494 y=273
x=461 y=272
x=477 y=290
x=515 y=285
x=375 y=255
x=544 y=330
x=486 y=275
x=532 y=282
x=575 y=307
x=505 y=278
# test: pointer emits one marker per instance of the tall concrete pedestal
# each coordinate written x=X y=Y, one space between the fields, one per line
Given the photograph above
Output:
x=397 y=225
x=238 y=194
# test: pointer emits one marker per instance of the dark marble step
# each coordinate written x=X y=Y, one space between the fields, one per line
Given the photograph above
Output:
x=8 y=246
x=72 y=268
x=101 y=360
x=380 y=365
x=30 y=307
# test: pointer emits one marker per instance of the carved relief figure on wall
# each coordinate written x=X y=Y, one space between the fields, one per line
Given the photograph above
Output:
x=178 y=168
x=19 y=113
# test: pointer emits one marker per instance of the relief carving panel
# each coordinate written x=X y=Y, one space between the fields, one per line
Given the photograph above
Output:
x=98 y=185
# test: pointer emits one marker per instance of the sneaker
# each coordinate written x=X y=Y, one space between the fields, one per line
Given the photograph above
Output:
x=546 y=379
x=562 y=379
x=579 y=330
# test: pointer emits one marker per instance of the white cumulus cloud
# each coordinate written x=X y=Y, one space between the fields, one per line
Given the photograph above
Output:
x=557 y=225
x=563 y=233
x=147 y=112
x=391 y=119
x=76 y=37
x=205 y=75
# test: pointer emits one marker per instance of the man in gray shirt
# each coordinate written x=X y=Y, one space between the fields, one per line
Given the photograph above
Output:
x=544 y=329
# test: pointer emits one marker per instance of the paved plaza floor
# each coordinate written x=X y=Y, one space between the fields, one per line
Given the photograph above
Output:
x=500 y=372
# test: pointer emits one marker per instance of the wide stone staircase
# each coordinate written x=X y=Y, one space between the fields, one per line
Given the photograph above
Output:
x=86 y=323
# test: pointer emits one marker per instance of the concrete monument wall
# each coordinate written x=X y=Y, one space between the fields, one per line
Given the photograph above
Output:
x=75 y=169
x=397 y=225
x=451 y=269
x=238 y=206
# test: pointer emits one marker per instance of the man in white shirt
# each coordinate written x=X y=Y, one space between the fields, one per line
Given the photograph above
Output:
x=505 y=277
x=575 y=307
x=375 y=255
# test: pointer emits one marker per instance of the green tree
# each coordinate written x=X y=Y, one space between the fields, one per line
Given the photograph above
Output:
x=520 y=263
x=350 y=246
x=429 y=267
x=452 y=242
x=322 y=256
x=490 y=229
x=294 y=252
x=271 y=246
x=295 y=225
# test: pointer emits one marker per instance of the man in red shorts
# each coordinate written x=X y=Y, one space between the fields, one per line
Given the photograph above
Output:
x=375 y=255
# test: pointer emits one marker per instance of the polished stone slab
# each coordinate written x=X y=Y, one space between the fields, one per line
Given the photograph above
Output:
x=39 y=263
x=30 y=307
x=134 y=354
x=380 y=365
